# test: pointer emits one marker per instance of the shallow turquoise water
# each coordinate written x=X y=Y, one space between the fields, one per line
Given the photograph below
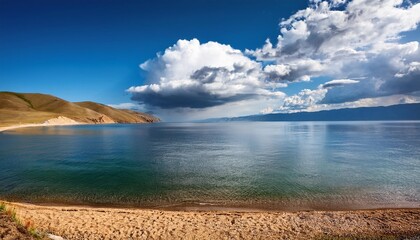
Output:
x=280 y=165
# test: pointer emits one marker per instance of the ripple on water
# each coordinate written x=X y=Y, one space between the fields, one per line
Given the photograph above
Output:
x=305 y=165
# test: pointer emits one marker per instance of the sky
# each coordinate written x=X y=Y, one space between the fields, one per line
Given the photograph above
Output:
x=195 y=59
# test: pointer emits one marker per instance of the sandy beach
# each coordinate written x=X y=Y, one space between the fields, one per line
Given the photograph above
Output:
x=58 y=121
x=119 y=223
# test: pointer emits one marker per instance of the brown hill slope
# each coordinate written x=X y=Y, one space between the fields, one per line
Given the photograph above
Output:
x=118 y=115
x=24 y=108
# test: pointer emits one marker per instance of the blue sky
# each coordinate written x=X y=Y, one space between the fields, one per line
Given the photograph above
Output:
x=91 y=50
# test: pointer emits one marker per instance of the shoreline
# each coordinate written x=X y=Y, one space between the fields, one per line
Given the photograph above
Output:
x=204 y=207
x=12 y=127
x=207 y=206
x=3 y=129
x=82 y=222
x=58 y=121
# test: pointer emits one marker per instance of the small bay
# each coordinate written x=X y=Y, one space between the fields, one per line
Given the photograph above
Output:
x=270 y=165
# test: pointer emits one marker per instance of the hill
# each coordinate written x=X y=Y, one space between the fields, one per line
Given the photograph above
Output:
x=394 y=113
x=118 y=115
x=28 y=108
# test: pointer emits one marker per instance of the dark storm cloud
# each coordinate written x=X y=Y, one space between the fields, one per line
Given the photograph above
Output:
x=192 y=99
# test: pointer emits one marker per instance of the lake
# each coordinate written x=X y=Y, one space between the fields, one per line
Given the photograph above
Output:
x=269 y=165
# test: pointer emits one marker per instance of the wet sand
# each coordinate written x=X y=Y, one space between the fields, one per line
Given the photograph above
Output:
x=121 y=223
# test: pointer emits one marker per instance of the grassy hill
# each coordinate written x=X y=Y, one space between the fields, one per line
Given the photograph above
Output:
x=25 y=108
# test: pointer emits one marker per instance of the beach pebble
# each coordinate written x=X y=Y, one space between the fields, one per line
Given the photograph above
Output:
x=54 y=237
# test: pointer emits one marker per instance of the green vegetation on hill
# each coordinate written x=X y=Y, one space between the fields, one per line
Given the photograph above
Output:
x=12 y=227
x=27 y=108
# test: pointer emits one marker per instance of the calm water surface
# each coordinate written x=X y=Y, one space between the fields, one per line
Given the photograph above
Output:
x=278 y=165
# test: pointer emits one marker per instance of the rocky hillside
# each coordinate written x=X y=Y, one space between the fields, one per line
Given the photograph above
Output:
x=25 y=108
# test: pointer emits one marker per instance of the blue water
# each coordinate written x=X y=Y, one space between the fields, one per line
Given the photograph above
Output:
x=278 y=165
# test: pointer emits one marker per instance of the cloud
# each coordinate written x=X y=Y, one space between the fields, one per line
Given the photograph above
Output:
x=131 y=106
x=309 y=100
x=303 y=100
x=348 y=39
x=330 y=95
x=405 y=81
x=267 y=110
x=194 y=75
x=338 y=82
x=299 y=70
x=321 y=31
x=358 y=43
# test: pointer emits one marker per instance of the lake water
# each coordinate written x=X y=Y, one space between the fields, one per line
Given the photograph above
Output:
x=271 y=165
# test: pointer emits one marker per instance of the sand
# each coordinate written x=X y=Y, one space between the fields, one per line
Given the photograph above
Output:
x=58 y=121
x=75 y=222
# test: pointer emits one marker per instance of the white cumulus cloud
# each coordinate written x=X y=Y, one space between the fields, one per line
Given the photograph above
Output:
x=194 y=75
x=359 y=43
x=349 y=39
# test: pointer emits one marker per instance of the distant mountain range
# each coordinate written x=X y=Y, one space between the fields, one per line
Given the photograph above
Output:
x=394 y=112
x=28 y=108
